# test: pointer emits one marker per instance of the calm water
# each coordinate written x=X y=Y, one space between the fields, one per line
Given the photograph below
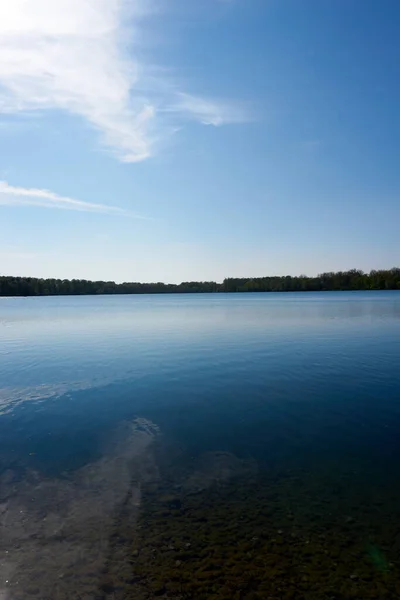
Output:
x=290 y=401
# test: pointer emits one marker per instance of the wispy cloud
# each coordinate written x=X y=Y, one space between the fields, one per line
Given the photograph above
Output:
x=79 y=56
x=210 y=112
x=19 y=196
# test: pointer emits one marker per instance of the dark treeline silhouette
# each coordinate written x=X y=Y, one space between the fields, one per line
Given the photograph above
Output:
x=30 y=286
x=342 y=280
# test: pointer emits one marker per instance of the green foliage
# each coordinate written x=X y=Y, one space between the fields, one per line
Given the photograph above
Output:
x=342 y=280
x=29 y=286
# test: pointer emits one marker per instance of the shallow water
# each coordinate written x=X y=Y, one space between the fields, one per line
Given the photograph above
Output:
x=252 y=434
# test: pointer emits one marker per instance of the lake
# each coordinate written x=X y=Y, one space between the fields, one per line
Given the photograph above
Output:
x=219 y=446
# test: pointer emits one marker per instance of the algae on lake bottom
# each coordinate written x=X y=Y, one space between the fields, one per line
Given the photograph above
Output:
x=260 y=535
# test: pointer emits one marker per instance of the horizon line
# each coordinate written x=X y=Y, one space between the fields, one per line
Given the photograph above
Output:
x=209 y=281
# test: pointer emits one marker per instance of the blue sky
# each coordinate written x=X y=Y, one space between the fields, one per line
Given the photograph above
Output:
x=179 y=140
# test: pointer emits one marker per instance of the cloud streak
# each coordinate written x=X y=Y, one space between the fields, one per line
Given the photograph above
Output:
x=210 y=112
x=19 y=196
x=74 y=55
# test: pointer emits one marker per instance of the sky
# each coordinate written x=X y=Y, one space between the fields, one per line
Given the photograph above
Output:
x=176 y=140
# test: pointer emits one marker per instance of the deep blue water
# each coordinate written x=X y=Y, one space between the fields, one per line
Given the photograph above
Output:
x=291 y=381
x=263 y=373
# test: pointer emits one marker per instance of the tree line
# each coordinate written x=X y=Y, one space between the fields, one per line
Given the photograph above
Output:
x=341 y=280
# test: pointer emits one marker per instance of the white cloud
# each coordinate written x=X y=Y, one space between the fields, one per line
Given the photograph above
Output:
x=210 y=112
x=19 y=196
x=73 y=55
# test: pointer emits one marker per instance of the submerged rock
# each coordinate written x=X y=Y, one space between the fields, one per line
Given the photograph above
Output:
x=217 y=467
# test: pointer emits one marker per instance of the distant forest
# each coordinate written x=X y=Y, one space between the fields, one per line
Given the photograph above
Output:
x=342 y=280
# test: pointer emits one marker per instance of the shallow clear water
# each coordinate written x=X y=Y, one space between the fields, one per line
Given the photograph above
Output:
x=303 y=389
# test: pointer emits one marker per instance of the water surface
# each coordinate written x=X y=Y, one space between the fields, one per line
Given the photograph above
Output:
x=277 y=411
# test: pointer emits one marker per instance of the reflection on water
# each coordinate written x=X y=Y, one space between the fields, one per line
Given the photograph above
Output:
x=211 y=446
